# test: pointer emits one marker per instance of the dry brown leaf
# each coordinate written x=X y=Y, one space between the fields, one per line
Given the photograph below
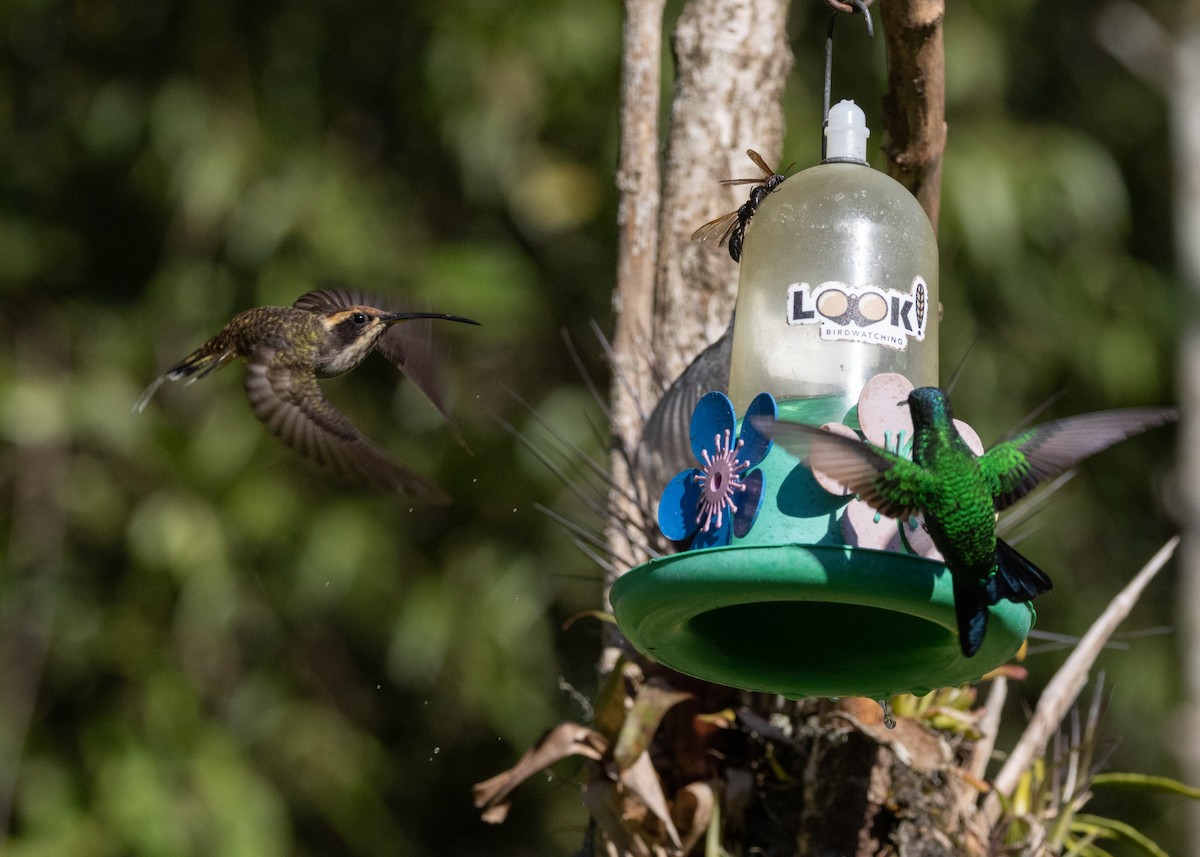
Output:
x=1015 y=672
x=606 y=805
x=862 y=709
x=642 y=721
x=566 y=739
x=641 y=779
x=916 y=746
x=693 y=812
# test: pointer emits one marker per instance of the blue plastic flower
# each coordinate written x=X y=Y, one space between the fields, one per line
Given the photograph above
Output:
x=709 y=504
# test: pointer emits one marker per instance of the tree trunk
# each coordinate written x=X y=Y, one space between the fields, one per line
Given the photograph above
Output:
x=914 y=108
x=637 y=250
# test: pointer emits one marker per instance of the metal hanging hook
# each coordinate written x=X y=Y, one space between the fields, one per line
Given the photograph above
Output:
x=849 y=8
x=838 y=7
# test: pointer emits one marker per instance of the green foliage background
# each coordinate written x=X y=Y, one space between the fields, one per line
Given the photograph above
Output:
x=228 y=653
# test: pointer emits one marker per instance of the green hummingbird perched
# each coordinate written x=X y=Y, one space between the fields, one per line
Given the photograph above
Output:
x=325 y=333
x=959 y=493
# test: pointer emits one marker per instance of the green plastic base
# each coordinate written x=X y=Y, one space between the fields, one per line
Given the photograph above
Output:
x=809 y=620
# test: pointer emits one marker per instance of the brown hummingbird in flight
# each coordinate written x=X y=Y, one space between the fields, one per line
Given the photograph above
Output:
x=325 y=333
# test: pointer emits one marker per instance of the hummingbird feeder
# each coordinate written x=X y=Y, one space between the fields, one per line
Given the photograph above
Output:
x=787 y=584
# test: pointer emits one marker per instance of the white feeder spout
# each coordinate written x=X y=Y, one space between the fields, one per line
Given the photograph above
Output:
x=846 y=133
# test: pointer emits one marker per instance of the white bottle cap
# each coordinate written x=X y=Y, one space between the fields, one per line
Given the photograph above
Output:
x=846 y=133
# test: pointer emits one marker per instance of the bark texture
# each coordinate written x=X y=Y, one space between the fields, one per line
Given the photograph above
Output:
x=637 y=249
x=731 y=65
x=914 y=108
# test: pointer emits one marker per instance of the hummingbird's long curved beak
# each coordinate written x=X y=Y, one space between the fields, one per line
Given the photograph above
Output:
x=393 y=317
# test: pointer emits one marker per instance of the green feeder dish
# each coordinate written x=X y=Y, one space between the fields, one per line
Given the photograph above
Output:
x=785 y=583
x=809 y=620
x=801 y=600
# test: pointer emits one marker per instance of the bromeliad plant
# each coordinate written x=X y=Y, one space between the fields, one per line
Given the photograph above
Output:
x=1045 y=815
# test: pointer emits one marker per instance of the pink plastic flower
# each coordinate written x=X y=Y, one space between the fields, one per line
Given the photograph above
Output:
x=888 y=426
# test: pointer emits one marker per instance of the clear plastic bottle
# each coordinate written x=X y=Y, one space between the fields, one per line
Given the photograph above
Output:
x=839 y=282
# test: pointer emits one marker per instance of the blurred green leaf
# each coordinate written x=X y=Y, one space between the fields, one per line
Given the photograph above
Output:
x=1148 y=782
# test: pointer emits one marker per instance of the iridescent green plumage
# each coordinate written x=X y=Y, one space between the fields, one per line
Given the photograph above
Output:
x=959 y=493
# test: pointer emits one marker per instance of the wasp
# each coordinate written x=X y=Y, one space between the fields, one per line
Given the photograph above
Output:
x=732 y=226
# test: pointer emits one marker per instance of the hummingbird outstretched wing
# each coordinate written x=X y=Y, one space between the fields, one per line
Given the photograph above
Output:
x=665 y=446
x=1014 y=467
x=889 y=483
x=290 y=403
x=408 y=346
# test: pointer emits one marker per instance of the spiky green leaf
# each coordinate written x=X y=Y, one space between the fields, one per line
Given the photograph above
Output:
x=1121 y=829
x=1147 y=782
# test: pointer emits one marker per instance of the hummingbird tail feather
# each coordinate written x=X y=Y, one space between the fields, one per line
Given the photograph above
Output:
x=1016 y=578
x=195 y=365
x=147 y=394
x=970 y=608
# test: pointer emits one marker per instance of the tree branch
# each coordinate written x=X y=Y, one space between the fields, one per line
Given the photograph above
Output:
x=1063 y=689
x=637 y=249
x=914 y=108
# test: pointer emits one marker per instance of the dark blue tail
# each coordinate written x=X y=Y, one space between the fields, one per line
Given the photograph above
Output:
x=1016 y=578
x=970 y=608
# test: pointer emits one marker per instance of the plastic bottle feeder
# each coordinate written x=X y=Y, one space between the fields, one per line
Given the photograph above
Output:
x=787 y=584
